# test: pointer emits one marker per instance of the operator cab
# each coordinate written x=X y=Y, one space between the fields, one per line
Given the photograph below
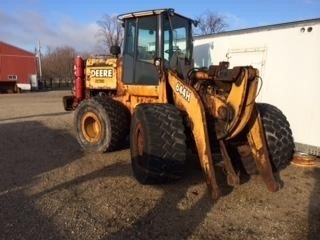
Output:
x=154 y=41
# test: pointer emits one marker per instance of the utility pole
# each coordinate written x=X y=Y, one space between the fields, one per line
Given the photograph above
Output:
x=39 y=59
x=38 y=54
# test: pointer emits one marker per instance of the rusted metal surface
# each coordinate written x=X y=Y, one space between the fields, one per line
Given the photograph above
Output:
x=257 y=142
x=247 y=159
x=232 y=177
x=303 y=160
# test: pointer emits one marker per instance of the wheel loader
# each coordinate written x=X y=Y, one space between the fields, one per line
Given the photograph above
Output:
x=153 y=95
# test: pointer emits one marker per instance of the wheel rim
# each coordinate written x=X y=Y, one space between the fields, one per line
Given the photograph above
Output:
x=91 y=127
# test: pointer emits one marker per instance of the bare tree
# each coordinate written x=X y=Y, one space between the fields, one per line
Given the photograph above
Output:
x=57 y=66
x=110 y=32
x=209 y=23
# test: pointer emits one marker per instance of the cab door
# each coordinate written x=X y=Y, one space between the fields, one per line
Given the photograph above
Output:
x=140 y=50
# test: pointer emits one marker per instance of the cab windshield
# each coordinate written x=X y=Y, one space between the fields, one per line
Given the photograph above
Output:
x=177 y=37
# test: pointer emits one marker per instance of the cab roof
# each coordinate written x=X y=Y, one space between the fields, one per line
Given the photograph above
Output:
x=171 y=11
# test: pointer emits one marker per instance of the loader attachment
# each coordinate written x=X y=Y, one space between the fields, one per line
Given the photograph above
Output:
x=246 y=118
x=241 y=117
x=258 y=145
x=242 y=98
x=187 y=100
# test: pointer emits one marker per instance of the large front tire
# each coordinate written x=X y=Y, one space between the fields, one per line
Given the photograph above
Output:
x=157 y=143
x=278 y=135
x=101 y=124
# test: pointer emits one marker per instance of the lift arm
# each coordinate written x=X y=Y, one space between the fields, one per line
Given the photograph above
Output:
x=188 y=100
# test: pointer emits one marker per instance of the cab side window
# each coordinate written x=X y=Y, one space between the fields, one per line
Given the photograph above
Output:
x=130 y=38
x=147 y=39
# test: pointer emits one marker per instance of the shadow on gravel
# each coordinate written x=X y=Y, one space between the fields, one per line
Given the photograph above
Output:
x=172 y=217
x=108 y=171
x=37 y=115
x=28 y=149
x=314 y=207
x=166 y=220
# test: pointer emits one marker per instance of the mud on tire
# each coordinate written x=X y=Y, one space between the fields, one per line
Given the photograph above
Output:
x=101 y=124
x=157 y=143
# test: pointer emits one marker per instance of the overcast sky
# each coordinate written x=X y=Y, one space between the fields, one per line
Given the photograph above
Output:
x=73 y=23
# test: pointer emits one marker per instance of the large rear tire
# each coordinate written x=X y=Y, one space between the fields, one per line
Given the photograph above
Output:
x=101 y=124
x=157 y=143
x=278 y=135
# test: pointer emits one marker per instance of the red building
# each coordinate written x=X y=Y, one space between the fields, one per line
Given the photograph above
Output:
x=18 y=68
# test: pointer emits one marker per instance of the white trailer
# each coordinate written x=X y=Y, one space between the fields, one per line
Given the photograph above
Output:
x=288 y=58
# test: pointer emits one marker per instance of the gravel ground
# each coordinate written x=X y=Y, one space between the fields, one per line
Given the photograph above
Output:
x=50 y=189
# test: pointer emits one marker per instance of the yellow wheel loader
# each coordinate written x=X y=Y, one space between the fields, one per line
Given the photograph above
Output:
x=154 y=94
